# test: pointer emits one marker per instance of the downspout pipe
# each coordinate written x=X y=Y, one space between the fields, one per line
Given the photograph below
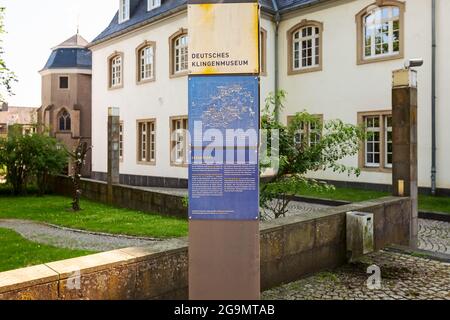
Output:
x=433 y=99
x=277 y=85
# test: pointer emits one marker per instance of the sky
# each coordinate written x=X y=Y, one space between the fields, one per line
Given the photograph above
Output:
x=35 y=26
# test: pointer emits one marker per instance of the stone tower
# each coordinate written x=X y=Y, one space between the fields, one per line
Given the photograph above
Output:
x=66 y=95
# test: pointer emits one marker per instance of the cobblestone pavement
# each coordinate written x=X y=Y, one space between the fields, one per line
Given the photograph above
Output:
x=403 y=277
x=434 y=236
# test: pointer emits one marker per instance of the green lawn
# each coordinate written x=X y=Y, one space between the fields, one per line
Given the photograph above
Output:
x=94 y=216
x=17 y=252
x=426 y=203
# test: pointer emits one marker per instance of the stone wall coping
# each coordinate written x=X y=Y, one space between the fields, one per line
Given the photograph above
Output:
x=156 y=250
x=90 y=264
x=26 y=277
x=268 y=226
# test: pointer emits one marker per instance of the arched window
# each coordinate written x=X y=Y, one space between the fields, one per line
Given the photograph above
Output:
x=65 y=122
x=380 y=31
x=145 y=55
x=305 y=47
x=179 y=53
x=115 y=62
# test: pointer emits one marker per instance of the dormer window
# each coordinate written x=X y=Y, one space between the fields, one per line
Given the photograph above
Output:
x=124 y=10
x=153 y=4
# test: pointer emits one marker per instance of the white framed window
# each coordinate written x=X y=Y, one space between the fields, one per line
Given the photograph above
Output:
x=381 y=29
x=147 y=141
x=314 y=134
x=178 y=140
x=153 y=4
x=124 y=10
x=146 y=64
x=373 y=141
x=152 y=141
x=308 y=133
x=116 y=71
x=388 y=141
x=300 y=134
x=306 y=47
x=181 y=53
x=143 y=133
x=121 y=132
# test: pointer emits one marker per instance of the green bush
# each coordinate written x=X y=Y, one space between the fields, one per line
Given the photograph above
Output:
x=301 y=151
x=31 y=157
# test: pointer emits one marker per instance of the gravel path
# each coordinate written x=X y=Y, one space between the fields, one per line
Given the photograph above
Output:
x=72 y=239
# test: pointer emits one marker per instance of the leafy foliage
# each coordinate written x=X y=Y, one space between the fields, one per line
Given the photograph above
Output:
x=7 y=77
x=305 y=145
x=27 y=157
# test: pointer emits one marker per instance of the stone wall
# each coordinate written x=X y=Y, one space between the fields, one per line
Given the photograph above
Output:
x=124 y=196
x=291 y=248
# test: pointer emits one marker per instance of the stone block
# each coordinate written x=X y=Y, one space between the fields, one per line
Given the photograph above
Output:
x=330 y=230
x=296 y=266
x=299 y=237
x=271 y=274
x=159 y=277
x=45 y=291
x=90 y=264
x=272 y=245
x=16 y=280
x=115 y=283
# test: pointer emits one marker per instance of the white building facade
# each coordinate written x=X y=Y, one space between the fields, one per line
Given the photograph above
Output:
x=335 y=59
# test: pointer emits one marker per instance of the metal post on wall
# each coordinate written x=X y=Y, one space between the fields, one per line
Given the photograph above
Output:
x=113 y=175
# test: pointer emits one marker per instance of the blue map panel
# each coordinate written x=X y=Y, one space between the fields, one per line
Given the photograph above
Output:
x=224 y=128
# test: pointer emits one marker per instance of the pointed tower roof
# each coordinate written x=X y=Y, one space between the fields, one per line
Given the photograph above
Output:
x=76 y=41
x=71 y=53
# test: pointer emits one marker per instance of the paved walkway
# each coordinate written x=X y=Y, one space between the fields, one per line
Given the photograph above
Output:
x=434 y=236
x=403 y=277
x=72 y=239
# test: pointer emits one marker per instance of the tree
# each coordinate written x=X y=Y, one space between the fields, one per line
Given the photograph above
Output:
x=14 y=157
x=305 y=145
x=78 y=159
x=48 y=158
x=7 y=77
x=28 y=157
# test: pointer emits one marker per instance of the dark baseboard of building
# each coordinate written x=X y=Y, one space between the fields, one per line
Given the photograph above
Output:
x=145 y=181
